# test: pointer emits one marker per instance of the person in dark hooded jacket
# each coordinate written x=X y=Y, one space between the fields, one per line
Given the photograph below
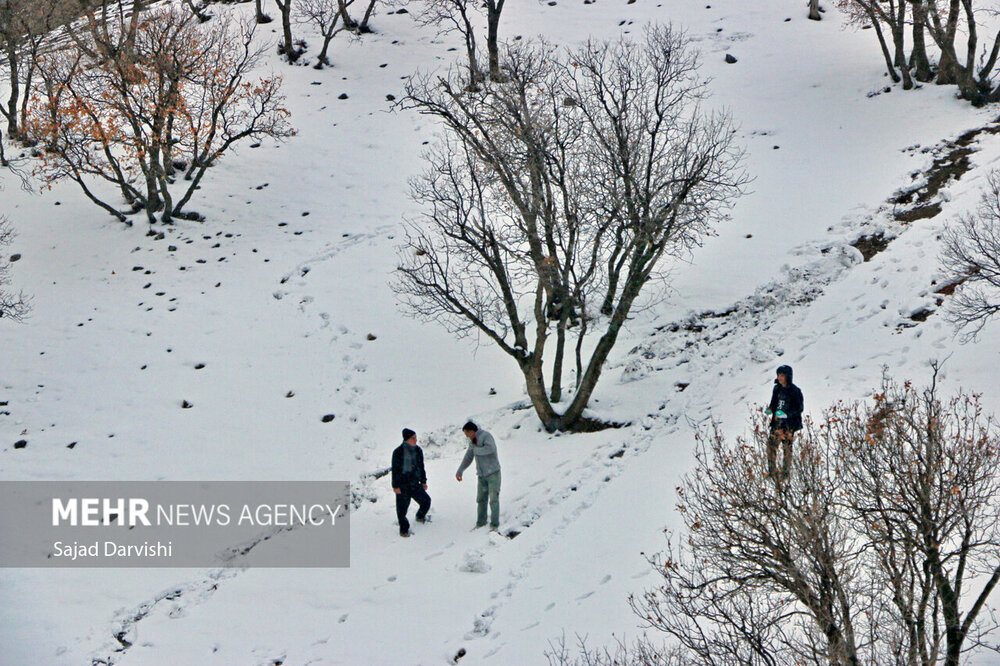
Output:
x=785 y=411
x=409 y=481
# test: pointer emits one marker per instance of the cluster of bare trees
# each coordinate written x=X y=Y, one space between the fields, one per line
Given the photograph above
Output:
x=27 y=29
x=881 y=547
x=557 y=193
x=148 y=101
x=970 y=66
x=329 y=17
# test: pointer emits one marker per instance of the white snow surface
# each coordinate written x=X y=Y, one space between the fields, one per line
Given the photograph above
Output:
x=281 y=285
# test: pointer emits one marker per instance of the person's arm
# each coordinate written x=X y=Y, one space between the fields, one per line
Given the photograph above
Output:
x=774 y=400
x=466 y=461
x=420 y=466
x=397 y=471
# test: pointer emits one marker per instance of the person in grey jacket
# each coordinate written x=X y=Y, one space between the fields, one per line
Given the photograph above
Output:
x=483 y=448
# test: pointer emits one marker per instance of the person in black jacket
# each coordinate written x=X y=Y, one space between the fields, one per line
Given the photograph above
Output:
x=409 y=481
x=785 y=411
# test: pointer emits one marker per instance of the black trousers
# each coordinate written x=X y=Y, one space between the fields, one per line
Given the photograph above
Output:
x=406 y=493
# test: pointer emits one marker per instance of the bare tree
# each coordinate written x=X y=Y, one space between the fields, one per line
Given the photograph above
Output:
x=925 y=494
x=972 y=258
x=974 y=74
x=767 y=572
x=24 y=26
x=326 y=16
x=944 y=21
x=12 y=27
x=892 y=15
x=143 y=103
x=456 y=16
x=555 y=195
x=12 y=306
x=359 y=27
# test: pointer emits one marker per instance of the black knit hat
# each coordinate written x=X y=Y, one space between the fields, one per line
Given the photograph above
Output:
x=470 y=427
x=407 y=433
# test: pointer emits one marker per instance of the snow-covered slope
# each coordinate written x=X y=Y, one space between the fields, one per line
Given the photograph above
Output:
x=278 y=292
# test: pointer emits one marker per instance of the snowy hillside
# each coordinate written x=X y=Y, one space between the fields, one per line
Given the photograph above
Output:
x=276 y=311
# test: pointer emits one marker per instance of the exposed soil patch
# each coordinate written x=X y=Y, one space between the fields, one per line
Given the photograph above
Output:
x=920 y=202
x=950 y=166
x=924 y=212
x=871 y=245
x=952 y=162
x=594 y=425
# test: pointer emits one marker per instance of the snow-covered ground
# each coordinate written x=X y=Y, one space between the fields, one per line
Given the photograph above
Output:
x=278 y=292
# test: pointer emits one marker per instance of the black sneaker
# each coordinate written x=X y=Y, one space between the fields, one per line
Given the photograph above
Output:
x=404 y=534
x=425 y=519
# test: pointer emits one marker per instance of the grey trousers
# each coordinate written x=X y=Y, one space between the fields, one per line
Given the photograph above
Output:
x=489 y=490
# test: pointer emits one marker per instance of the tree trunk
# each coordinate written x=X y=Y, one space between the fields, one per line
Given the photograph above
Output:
x=26 y=97
x=534 y=380
x=286 y=29
x=15 y=89
x=885 y=48
x=814 y=14
x=322 y=58
x=261 y=16
x=919 y=62
x=493 y=10
x=898 y=36
x=345 y=14
x=475 y=76
x=596 y=364
x=363 y=28
x=947 y=73
x=555 y=395
x=579 y=349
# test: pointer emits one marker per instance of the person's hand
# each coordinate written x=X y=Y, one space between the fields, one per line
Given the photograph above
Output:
x=396 y=490
x=458 y=476
x=425 y=486
x=768 y=412
x=781 y=415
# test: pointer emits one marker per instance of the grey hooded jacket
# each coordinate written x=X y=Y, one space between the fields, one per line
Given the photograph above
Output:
x=484 y=450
